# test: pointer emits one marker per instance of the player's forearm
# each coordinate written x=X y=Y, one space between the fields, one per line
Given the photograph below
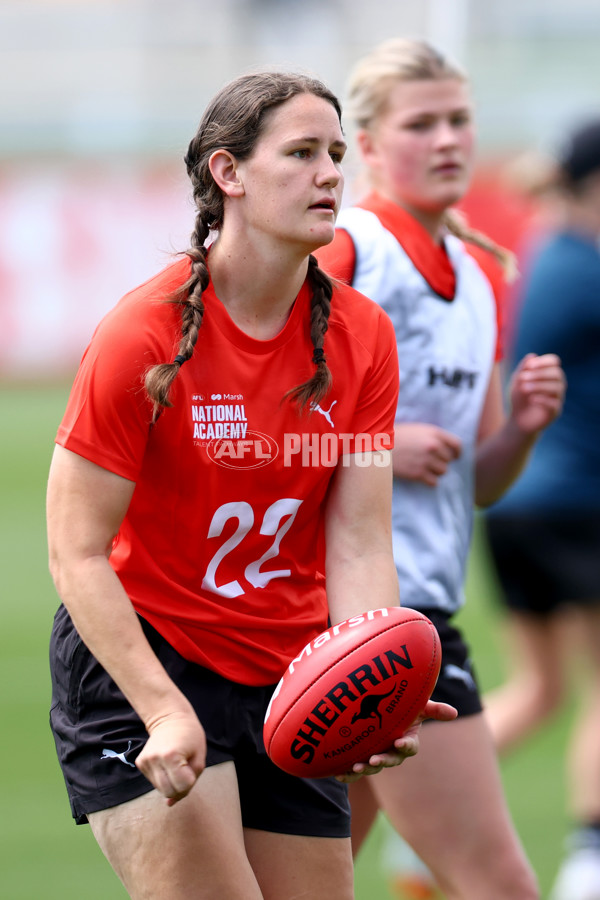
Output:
x=499 y=461
x=362 y=581
x=108 y=625
x=360 y=571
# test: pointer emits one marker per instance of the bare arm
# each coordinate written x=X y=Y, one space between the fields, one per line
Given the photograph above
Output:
x=360 y=568
x=537 y=392
x=360 y=564
x=85 y=507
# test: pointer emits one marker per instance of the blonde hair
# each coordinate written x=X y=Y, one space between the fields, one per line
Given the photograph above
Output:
x=404 y=59
x=398 y=59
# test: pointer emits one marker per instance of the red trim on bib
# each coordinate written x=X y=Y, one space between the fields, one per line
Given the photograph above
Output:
x=429 y=258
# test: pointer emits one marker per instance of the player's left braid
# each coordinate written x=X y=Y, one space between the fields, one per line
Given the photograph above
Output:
x=313 y=390
x=459 y=227
x=159 y=379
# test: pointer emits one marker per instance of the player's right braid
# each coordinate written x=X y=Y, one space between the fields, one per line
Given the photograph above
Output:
x=160 y=378
x=313 y=390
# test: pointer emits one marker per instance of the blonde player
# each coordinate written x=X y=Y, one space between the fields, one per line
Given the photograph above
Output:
x=455 y=446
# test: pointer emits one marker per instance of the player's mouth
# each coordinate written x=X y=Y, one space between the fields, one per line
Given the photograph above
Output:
x=327 y=204
x=448 y=169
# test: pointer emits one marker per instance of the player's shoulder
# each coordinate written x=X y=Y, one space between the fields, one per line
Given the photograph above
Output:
x=487 y=262
x=159 y=287
x=151 y=298
x=348 y=304
x=359 y=315
x=363 y=225
x=482 y=259
x=356 y=237
x=144 y=321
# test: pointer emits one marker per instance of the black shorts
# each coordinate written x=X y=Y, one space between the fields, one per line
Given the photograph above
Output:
x=457 y=683
x=546 y=562
x=98 y=737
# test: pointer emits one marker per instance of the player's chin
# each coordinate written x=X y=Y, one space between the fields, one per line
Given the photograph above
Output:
x=448 y=191
x=454 y=191
x=320 y=235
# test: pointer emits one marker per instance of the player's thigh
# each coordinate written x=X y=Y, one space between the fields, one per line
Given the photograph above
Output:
x=290 y=866
x=538 y=645
x=452 y=789
x=587 y=631
x=364 y=811
x=192 y=849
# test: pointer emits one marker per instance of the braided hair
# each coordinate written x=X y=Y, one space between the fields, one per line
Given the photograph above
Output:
x=233 y=121
x=313 y=390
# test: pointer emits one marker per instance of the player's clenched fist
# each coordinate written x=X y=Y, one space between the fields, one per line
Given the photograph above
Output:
x=174 y=755
x=423 y=451
x=537 y=390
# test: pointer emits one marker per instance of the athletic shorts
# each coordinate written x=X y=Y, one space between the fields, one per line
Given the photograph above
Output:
x=545 y=562
x=98 y=737
x=457 y=683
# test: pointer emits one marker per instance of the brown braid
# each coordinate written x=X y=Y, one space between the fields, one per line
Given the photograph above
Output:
x=234 y=121
x=313 y=390
x=159 y=378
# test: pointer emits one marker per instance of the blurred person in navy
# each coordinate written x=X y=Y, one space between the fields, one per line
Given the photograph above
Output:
x=544 y=534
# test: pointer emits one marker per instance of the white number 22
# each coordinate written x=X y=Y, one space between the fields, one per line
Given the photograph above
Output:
x=286 y=508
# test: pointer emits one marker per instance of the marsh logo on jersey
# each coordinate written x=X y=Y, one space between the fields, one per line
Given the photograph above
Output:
x=254 y=451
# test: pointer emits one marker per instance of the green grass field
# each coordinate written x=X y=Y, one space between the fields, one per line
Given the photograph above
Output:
x=43 y=855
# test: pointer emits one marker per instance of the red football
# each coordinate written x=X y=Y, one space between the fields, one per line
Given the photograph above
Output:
x=352 y=691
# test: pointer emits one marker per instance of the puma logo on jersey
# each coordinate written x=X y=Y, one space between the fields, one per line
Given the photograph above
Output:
x=324 y=412
x=454 y=378
x=112 y=754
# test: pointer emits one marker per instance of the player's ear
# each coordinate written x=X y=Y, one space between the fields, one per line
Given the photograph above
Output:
x=224 y=169
x=366 y=145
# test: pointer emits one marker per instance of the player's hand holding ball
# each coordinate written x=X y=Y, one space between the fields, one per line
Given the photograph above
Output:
x=404 y=747
x=352 y=701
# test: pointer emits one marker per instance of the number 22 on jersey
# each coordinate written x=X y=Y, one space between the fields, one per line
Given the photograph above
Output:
x=277 y=521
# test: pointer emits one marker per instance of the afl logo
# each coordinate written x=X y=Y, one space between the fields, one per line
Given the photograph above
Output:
x=254 y=451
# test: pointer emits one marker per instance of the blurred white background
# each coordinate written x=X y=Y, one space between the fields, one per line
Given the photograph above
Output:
x=99 y=99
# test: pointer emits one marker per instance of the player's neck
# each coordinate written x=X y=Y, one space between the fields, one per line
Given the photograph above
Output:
x=258 y=293
x=583 y=218
x=431 y=220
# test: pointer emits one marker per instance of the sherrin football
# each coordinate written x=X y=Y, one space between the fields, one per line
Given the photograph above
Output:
x=352 y=691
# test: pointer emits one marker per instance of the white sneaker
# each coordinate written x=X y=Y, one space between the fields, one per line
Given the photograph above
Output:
x=578 y=877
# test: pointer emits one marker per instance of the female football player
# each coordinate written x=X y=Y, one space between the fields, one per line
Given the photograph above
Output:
x=193 y=551
x=402 y=246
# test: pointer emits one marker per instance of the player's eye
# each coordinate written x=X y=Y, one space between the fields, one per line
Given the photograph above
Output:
x=461 y=119
x=419 y=125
